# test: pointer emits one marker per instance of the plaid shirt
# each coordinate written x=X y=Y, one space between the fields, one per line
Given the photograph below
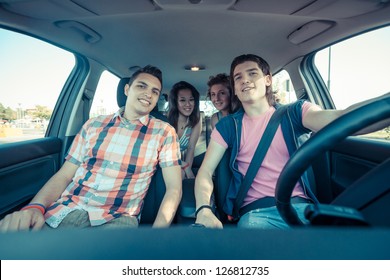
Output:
x=117 y=159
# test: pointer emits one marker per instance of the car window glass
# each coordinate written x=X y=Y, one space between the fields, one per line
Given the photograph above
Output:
x=357 y=69
x=283 y=87
x=207 y=107
x=32 y=75
x=104 y=101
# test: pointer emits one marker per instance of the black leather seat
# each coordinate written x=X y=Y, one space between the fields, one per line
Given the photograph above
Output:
x=222 y=177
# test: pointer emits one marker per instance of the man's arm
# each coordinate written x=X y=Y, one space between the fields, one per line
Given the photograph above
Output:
x=172 y=197
x=50 y=192
x=204 y=185
x=315 y=118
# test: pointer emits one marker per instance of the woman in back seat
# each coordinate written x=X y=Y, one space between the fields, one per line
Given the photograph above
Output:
x=184 y=116
x=220 y=94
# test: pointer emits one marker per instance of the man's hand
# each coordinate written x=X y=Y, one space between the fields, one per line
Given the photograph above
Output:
x=189 y=174
x=22 y=220
x=207 y=218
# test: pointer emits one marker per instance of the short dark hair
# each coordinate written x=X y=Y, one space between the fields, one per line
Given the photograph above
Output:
x=173 y=111
x=148 y=69
x=263 y=65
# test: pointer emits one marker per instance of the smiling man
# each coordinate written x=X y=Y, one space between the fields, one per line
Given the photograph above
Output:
x=109 y=167
x=241 y=133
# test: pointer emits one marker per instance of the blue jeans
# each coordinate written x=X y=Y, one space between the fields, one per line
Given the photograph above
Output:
x=269 y=218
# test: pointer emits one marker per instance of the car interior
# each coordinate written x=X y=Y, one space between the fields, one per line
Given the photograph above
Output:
x=352 y=220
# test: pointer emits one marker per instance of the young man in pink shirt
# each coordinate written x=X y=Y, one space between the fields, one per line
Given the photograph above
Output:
x=242 y=131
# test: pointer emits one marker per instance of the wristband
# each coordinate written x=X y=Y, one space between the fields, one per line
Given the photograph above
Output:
x=201 y=207
x=38 y=206
x=184 y=167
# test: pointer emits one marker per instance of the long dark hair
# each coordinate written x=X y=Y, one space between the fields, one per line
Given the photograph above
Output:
x=263 y=65
x=173 y=111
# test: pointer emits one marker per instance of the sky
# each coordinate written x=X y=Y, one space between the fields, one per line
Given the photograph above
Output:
x=367 y=78
x=17 y=74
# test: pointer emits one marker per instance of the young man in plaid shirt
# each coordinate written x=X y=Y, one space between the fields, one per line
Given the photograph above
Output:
x=109 y=167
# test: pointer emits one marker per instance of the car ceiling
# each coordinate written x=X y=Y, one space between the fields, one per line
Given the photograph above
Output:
x=173 y=34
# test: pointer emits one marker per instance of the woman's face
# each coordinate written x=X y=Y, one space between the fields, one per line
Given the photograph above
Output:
x=220 y=97
x=185 y=102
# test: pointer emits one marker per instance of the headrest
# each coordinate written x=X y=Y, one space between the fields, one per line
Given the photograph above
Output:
x=120 y=92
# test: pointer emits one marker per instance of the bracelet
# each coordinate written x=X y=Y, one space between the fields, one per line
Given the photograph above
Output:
x=201 y=207
x=184 y=167
x=38 y=206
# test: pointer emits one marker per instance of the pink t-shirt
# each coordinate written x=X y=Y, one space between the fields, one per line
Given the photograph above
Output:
x=277 y=156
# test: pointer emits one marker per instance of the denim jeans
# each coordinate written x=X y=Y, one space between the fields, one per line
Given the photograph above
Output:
x=269 y=218
x=79 y=219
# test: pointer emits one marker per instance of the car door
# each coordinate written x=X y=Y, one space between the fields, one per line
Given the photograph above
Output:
x=38 y=82
x=341 y=75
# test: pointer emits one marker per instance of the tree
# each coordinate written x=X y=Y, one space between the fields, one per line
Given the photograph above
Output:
x=42 y=112
x=7 y=113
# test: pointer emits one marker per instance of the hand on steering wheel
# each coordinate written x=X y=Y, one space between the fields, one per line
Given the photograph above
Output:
x=322 y=141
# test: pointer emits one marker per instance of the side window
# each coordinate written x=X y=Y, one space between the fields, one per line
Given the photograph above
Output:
x=357 y=69
x=104 y=101
x=207 y=107
x=32 y=75
x=284 y=88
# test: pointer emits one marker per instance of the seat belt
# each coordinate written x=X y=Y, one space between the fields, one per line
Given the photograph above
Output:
x=258 y=158
x=87 y=97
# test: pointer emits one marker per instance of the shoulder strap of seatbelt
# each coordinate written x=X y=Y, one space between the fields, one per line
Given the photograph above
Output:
x=258 y=157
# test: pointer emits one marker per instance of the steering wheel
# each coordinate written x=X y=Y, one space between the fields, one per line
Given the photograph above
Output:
x=322 y=141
